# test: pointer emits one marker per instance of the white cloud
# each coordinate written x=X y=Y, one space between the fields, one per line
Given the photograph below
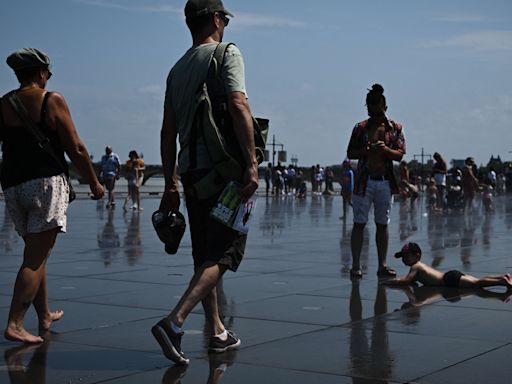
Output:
x=253 y=20
x=242 y=20
x=476 y=41
x=134 y=8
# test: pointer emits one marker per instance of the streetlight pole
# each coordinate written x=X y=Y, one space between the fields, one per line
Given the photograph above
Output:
x=274 y=145
x=422 y=155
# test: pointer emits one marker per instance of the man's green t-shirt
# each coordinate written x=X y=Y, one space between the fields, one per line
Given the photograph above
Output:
x=183 y=82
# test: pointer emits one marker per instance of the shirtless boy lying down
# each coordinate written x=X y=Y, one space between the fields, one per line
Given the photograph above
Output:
x=411 y=256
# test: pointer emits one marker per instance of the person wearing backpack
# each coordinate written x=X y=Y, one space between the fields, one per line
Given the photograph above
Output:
x=215 y=247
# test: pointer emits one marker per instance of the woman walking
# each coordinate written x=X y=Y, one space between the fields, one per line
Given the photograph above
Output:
x=34 y=179
x=134 y=168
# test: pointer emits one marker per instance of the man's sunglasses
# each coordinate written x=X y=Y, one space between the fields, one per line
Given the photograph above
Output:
x=224 y=19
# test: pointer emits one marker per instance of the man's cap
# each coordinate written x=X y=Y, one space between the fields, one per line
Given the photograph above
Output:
x=197 y=8
x=27 y=58
x=409 y=248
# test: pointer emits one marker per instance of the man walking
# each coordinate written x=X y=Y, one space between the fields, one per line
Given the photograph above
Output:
x=215 y=247
x=375 y=143
x=110 y=170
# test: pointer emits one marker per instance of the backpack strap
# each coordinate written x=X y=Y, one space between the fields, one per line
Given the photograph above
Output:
x=32 y=129
x=44 y=108
x=215 y=70
x=192 y=147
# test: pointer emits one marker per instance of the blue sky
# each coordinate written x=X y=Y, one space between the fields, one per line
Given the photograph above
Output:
x=446 y=67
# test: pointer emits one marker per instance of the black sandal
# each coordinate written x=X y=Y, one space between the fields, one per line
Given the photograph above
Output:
x=356 y=274
x=386 y=272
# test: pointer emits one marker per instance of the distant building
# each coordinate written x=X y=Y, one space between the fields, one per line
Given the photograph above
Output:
x=458 y=163
x=495 y=163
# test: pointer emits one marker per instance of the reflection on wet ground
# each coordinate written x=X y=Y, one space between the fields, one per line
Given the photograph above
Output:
x=300 y=317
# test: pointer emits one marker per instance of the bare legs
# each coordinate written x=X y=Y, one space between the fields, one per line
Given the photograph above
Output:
x=468 y=281
x=356 y=241
x=347 y=200
x=109 y=184
x=137 y=197
x=468 y=201
x=201 y=288
x=211 y=310
x=134 y=195
x=41 y=306
x=30 y=288
x=382 y=239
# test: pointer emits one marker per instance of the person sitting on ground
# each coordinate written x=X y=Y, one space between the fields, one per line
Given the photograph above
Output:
x=303 y=190
x=425 y=274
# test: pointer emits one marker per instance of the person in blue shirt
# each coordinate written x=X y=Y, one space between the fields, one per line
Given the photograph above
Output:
x=110 y=170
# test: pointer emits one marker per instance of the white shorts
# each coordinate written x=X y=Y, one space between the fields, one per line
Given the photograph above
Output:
x=38 y=205
x=377 y=193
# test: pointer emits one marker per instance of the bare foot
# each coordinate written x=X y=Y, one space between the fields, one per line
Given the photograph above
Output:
x=508 y=280
x=45 y=324
x=20 y=334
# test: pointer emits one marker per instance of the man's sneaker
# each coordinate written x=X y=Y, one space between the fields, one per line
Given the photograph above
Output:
x=169 y=341
x=217 y=345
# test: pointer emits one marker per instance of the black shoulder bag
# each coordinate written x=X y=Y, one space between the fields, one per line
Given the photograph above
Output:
x=42 y=141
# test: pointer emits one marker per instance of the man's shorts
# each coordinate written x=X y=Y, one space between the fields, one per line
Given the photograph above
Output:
x=212 y=241
x=377 y=193
x=110 y=181
x=38 y=205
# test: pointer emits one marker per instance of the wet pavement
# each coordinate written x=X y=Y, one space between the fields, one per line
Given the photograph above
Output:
x=300 y=318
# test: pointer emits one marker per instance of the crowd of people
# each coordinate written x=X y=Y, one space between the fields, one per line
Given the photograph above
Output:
x=292 y=181
x=444 y=189
x=456 y=188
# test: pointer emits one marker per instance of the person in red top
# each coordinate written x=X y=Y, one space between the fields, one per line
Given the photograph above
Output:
x=375 y=143
x=469 y=184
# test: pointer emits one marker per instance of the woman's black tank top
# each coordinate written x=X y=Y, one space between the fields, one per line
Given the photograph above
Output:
x=23 y=159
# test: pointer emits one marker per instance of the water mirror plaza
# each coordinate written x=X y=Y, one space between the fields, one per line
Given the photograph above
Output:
x=299 y=316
